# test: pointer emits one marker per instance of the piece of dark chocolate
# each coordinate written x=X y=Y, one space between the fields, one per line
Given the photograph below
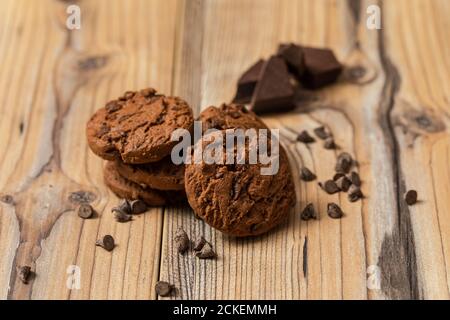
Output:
x=292 y=54
x=247 y=83
x=274 y=91
x=321 y=67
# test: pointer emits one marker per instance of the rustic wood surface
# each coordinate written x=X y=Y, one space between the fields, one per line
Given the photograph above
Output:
x=390 y=110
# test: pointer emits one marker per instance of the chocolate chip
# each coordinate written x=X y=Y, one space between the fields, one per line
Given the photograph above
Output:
x=334 y=211
x=85 y=211
x=337 y=176
x=308 y=212
x=354 y=193
x=181 y=240
x=355 y=179
x=411 y=197
x=329 y=187
x=344 y=163
x=206 y=252
x=305 y=137
x=113 y=106
x=24 y=274
x=138 y=206
x=107 y=243
x=199 y=243
x=120 y=215
x=329 y=143
x=163 y=288
x=343 y=183
x=322 y=133
x=306 y=174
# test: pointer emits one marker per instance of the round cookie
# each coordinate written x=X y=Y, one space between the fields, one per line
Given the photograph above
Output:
x=237 y=199
x=137 y=126
x=229 y=116
x=126 y=189
x=161 y=175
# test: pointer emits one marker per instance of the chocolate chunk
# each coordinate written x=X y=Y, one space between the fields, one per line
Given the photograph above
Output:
x=334 y=211
x=329 y=187
x=292 y=54
x=308 y=212
x=322 y=133
x=181 y=240
x=85 y=211
x=306 y=174
x=206 y=252
x=355 y=179
x=138 y=206
x=344 y=162
x=329 y=143
x=25 y=274
x=274 y=91
x=247 y=83
x=354 y=193
x=411 y=197
x=107 y=243
x=321 y=67
x=343 y=183
x=163 y=288
x=199 y=243
x=305 y=137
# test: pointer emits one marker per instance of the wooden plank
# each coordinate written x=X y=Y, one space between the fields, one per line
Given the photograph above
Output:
x=121 y=46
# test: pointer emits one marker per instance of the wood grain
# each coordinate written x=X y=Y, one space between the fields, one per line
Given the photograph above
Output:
x=390 y=110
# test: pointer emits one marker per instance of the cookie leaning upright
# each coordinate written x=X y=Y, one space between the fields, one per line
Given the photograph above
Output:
x=137 y=127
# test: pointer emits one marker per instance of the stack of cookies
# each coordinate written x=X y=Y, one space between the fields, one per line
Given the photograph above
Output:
x=133 y=134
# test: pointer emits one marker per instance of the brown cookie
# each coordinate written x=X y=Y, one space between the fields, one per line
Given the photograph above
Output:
x=229 y=116
x=137 y=126
x=236 y=198
x=161 y=175
x=126 y=189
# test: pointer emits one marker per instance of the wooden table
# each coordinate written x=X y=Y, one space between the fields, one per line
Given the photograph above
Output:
x=390 y=110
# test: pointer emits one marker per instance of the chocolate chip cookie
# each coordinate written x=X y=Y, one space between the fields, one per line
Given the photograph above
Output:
x=136 y=127
x=229 y=116
x=127 y=189
x=236 y=198
x=161 y=175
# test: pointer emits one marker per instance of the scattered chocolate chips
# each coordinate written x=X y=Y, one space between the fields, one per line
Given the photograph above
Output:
x=25 y=274
x=329 y=186
x=344 y=163
x=306 y=174
x=334 y=211
x=308 y=213
x=355 y=179
x=181 y=240
x=107 y=242
x=122 y=213
x=329 y=143
x=411 y=197
x=322 y=133
x=343 y=183
x=274 y=91
x=206 y=252
x=305 y=137
x=138 y=206
x=247 y=83
x=85 y=211
x=354 y=193
x=163 y=288
x=199 y=243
